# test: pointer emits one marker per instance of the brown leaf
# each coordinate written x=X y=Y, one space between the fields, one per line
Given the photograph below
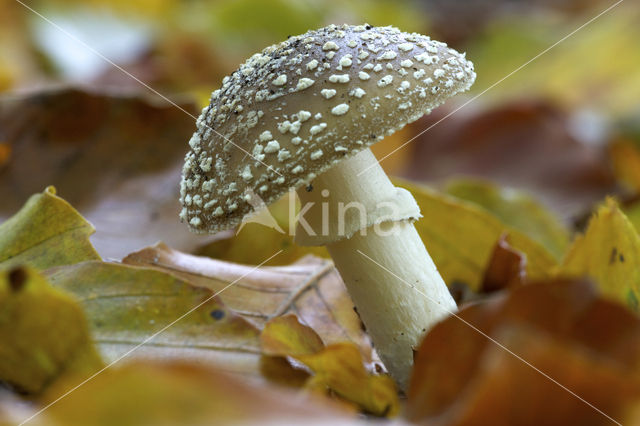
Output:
x=586 y=343
x=625 y=156
x=523 y=144
x=507 y=267
x=310 y=288
x=116 y=158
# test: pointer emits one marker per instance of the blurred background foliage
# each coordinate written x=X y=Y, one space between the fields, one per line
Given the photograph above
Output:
x=562 y=127
x=179 y=46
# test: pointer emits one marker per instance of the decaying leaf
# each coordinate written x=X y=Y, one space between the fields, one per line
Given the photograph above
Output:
x=506 y=268
x=116 y=158
x=550 y=337
x=43 y=332
x=180 y=393
x=338 y=367
x=311 y=288
x=46 y=232
x=515 y=209
x=608 y=252
x=460 y=238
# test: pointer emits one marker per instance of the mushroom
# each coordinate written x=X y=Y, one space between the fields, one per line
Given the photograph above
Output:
x=302 y=114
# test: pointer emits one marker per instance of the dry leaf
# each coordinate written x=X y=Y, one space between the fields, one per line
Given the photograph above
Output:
x=608 y=252
x=588 y=344
x=46 y=232
x=506 y=268
x=310 y=288
x=116 y=158
x=338 y=367
x=460 y=238
x=126 y=305
x=43 y=333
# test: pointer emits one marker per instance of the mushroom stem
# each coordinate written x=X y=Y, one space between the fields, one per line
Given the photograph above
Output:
x=389 y=275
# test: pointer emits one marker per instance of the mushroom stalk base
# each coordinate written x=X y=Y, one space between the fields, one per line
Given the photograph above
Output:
x=389 y=275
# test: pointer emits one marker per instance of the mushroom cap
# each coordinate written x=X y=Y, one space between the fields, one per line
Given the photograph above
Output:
x=299 y=107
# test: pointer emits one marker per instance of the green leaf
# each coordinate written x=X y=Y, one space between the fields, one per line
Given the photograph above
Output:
x=46 y=232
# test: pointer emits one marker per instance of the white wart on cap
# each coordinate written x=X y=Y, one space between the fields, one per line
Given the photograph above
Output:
x=303 y=105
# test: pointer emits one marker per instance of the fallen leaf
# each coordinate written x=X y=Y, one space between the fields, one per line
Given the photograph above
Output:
x=46 y=232
x=311 y=288
x=255 y=242
x=608 y=252
x=286 y=336
x=578 y=341
x=338 y=367
x=625 y=157
x=116 y=158
x=506 y=268
x=178 y=393
x=632 y=211
x=43 y=333
x=154 y=315
x=515 y=209
x=460 y=238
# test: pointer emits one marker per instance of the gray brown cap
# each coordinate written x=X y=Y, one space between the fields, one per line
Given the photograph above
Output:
x=297 y=108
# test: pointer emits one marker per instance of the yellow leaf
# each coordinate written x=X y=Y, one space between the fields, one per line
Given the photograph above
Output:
x=126 y=305
x=460 y=238
x=285 y=336
x=338 y=367
x=633 y=214
x=625 y=157
x=608 y=252
x=46 y=232
x=256 y=242
x=515 y=209
x=179 y=393
x=43 y=332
